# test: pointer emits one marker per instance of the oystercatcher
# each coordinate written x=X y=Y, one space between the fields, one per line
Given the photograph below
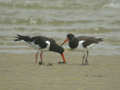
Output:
x=42 y=43
x=83 y=42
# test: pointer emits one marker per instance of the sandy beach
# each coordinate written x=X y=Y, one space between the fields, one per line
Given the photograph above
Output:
x=55 y=19
x=18 y=72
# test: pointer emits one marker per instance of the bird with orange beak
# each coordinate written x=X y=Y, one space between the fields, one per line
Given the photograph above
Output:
x=42 y=43
x=81 y=41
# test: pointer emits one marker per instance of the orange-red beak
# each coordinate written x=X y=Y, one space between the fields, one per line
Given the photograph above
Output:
x=66 y=40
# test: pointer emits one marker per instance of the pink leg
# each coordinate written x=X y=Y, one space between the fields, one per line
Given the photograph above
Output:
x=36 y=57
x=41 y=58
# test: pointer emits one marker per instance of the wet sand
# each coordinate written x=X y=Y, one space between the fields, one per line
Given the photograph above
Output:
x=18 y=72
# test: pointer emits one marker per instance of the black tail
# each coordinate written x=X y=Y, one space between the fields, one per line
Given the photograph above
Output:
x=100 y=39
x=25 y=38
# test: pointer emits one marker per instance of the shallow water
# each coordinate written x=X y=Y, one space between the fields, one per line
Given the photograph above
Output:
x=56 y=18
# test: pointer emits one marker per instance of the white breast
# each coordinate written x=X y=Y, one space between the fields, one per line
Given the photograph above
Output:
x=48 y=45
x=80 y=44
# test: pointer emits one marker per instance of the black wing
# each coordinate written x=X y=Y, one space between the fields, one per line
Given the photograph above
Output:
x=85 y=37
x=41 y=41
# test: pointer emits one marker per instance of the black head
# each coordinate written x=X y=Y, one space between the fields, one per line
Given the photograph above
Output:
x=70 y=36
x=56 y=48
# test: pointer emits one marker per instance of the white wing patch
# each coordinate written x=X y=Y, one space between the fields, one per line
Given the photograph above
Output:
x=36 y=46
x=91 y=45
x=80 y=44
x=48 y=45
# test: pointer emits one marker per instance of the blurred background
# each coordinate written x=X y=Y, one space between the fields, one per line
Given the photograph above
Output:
x=56 y=18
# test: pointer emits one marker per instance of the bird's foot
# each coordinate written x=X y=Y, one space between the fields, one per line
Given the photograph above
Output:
x=84 y=63
x=49 y=64
x=61 y=62
x=40 y=63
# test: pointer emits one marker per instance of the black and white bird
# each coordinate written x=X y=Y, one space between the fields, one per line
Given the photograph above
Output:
x=42 y=43
x=81 y=42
